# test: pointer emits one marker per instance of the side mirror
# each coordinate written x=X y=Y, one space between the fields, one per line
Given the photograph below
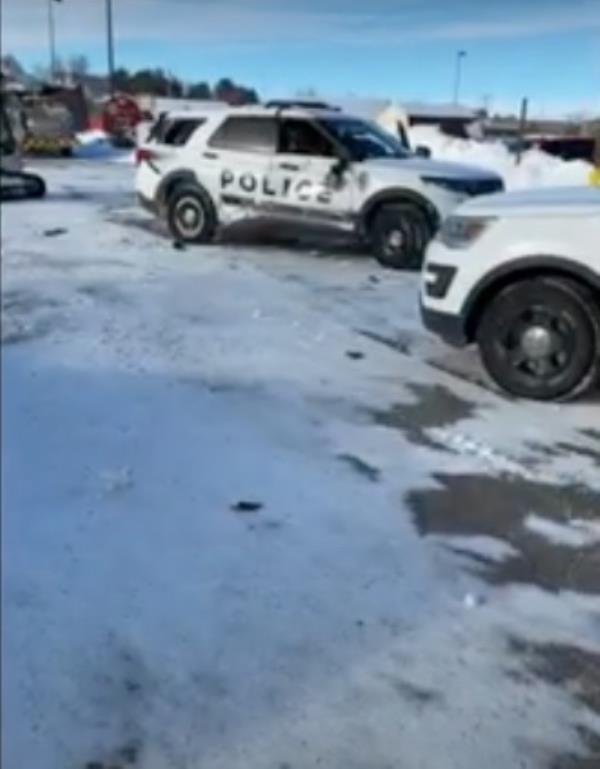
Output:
x=340 y=166
x=335 y=177
x=422 y=151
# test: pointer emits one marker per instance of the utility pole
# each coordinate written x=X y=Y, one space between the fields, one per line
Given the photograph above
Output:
x=111 y=47
x=52 y=39
x=460 y=56
x=522 y=129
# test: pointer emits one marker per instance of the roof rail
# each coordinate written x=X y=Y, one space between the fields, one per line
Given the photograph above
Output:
x=299 y=103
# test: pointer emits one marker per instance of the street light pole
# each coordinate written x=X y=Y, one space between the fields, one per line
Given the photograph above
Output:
x=52 y=39
x=460 y=56
x=111 y=47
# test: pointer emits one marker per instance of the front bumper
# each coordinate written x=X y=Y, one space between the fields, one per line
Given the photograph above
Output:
x=450 y=328
x=438 y=279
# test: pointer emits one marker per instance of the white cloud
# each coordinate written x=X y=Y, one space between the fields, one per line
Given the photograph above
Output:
x=233 y=22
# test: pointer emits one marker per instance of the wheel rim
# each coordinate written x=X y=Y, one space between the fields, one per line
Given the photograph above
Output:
x=394 y=241
x=190 y=217
x=539 y=344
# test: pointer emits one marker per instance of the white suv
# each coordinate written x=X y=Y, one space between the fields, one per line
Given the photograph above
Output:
x=312 y=165
x=519 y=273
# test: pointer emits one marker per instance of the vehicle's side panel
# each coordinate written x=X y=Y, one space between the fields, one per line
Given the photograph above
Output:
x=512 y=241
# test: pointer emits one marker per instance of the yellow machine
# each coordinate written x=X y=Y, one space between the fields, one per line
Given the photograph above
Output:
x=48 y=126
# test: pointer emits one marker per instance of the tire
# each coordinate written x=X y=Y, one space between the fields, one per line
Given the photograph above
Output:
x=540 y=339
x=399 y=235
x=38 y=186
x=191 y=202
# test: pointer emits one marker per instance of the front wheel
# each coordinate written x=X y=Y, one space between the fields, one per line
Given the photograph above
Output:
x=399 y=235
x=191 y=216
x=540 y=339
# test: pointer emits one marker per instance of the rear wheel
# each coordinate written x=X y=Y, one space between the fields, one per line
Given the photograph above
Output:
x=191 y=215
x=399 y=235
x=37 y=186
x=540 y=338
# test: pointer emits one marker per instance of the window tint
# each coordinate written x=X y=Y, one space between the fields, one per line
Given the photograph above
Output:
x=181 y=131
x=299 y=137
x=364 y=140
x=174 y=132
x=246 y=134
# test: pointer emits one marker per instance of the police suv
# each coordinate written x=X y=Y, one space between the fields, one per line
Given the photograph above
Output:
x=519 y=273
x=304 y=163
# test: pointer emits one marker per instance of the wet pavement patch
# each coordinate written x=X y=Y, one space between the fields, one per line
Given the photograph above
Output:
x=576 y=670
x=582 y=451
x=361 y=467
x=401 y=343
x=153 y=226
x=485 y=506
x=565 y=666
x=591 y=744
x=436 y=406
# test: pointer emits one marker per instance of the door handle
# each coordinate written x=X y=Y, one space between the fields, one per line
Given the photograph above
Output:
x=289 y=167
x=210 y=155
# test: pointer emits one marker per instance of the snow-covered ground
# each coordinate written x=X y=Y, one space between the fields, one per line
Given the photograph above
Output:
x=254 y=517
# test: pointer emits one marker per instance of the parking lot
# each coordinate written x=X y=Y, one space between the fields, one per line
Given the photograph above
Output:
x=253 y=513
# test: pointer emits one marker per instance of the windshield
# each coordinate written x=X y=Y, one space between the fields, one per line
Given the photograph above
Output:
x=364 y=140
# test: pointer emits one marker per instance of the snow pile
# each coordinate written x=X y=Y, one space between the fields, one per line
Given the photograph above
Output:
x=96 y=145
x=93 y=144
x=537 y=169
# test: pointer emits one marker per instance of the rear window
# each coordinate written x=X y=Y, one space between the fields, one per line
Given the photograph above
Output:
x=174 y=132
x=246 y=134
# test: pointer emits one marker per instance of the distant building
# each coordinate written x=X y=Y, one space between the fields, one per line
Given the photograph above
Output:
x=452 y=119
x=398 y=117
x=156 y=105
x=390 y=115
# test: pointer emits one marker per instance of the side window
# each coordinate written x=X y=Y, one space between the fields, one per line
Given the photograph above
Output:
x=299 y=137
x=174 y=132
x=180 y=131
x=246 y=134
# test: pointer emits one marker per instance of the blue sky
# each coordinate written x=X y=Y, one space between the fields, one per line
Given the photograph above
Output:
x=548 y=50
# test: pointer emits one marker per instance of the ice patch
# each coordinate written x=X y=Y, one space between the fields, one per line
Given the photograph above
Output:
x=574 y=534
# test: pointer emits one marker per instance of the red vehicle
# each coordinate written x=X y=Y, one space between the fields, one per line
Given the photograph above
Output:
x=120 y=117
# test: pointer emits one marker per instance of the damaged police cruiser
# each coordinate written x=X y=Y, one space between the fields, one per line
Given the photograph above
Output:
x=303 y=163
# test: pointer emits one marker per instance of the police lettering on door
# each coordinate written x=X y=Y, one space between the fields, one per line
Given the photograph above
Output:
x=294 y=190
